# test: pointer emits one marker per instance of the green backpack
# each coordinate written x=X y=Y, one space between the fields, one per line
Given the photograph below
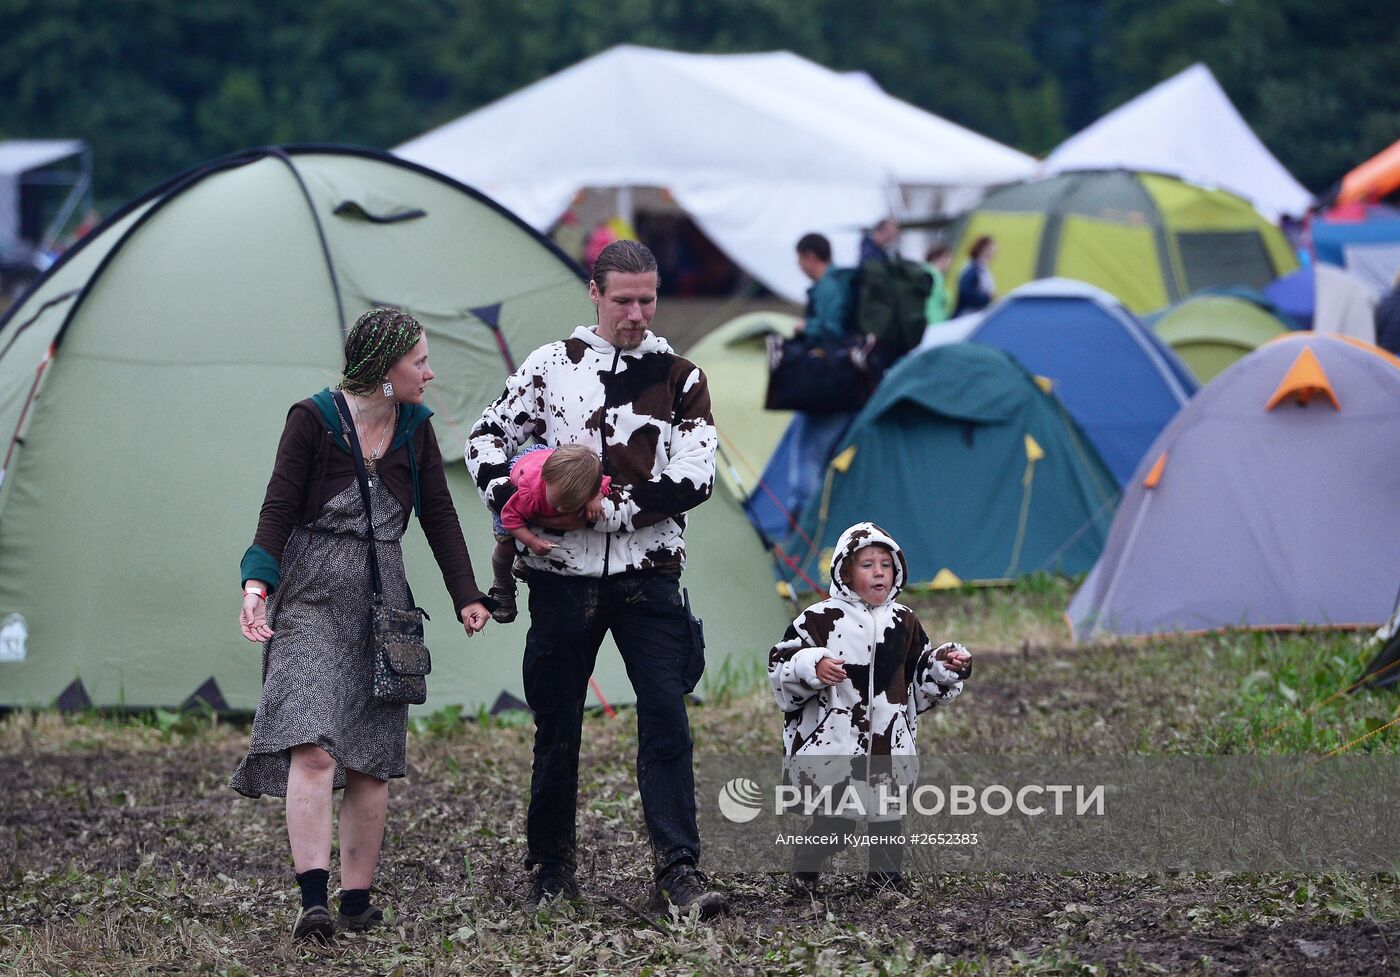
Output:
x=890 y=302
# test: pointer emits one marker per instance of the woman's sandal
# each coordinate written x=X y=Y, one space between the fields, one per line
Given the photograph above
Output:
x=314 y=924
x=369 y=919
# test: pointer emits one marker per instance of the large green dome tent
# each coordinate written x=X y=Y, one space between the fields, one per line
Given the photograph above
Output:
x=1146 y=238
x=144 y=381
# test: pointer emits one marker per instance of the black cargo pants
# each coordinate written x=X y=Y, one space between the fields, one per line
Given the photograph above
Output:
x=663 y=650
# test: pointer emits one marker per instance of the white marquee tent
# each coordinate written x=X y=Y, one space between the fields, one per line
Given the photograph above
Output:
x=757 y=148
x=20 y=161
x=1187 y=127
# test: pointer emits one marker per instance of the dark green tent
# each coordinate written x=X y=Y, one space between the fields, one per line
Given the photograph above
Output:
x=977 y=471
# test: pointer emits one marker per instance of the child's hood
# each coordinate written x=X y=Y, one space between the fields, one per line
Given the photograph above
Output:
x=860 y=535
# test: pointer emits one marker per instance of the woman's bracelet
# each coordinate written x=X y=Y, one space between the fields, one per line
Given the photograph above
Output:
x=255 y=590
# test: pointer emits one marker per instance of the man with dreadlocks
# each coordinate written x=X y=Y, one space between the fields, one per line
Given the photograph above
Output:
x=619 y=389
x=306 y=597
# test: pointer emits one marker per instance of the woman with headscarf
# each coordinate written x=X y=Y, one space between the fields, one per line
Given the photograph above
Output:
x=307 y=597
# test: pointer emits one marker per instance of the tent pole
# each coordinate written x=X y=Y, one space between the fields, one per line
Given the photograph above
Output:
x=70 y=204
x=626 y=207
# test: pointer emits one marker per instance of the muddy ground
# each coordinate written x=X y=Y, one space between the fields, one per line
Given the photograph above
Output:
x=122 y=851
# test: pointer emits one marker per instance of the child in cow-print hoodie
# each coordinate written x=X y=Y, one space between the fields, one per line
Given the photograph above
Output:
x=852 y=674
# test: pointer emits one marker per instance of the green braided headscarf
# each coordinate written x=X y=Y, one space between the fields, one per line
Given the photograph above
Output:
x=377 y=341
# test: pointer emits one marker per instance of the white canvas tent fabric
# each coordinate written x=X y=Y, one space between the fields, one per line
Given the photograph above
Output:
x=1186 y=126
x=1375 y=263
x=961 y=329
x=1346 y=304
x=757 y=148
x=18 y=157
x=951 y=331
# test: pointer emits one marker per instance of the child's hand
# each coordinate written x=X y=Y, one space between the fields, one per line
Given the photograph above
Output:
x=594 y=509
x=831 y=671
x=540 y=548
x=957 y=658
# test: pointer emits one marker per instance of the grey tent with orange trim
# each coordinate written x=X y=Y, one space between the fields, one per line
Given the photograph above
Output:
x=1269 y=502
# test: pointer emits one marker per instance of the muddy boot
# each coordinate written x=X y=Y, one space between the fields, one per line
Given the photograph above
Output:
x=886 y=857
x=367 y=920
x=506 y=610
x=684 y=886
x=551 y=882
x=810 y=860
x=886 y=882
x=357 y=913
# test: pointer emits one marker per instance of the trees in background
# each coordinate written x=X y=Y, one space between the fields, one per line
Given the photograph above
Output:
x=158 y=85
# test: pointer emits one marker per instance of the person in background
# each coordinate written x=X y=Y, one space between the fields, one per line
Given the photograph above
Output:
x=599 y=238
x=828 y=317
x=829 y=298
x=1388 y=319
x=877 y=243
x=976 y=287
x=936 y=261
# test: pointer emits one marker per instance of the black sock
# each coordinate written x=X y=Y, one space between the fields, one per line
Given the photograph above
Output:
x=353 y=901
x=313 y=887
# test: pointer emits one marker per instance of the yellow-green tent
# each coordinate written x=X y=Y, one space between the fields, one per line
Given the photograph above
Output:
x=735 y=363
x=1209 y=332
x=1145 y=238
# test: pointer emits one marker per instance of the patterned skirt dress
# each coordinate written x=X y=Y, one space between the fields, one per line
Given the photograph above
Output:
x=318 y=667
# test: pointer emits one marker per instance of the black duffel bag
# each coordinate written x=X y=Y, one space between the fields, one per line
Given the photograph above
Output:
x=821 y=377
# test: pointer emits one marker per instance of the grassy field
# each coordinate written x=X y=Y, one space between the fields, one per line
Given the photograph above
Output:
x=122 y=852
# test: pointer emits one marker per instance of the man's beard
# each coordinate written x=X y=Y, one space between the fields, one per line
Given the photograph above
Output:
x=627 y=340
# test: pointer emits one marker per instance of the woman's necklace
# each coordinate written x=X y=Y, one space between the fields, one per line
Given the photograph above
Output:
x=372 y=461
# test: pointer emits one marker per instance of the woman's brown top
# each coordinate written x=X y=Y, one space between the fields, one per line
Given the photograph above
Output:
x=314 y=465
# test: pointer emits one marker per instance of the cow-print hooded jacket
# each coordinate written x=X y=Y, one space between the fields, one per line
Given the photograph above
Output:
x=892 y=672
x=646 y=411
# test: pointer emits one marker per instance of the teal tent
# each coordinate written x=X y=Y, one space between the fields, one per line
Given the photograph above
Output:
x=145 y=379
x=975 y=468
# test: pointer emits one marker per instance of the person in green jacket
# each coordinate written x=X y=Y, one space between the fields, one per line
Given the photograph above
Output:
x=829 y=298
x=937 y=261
